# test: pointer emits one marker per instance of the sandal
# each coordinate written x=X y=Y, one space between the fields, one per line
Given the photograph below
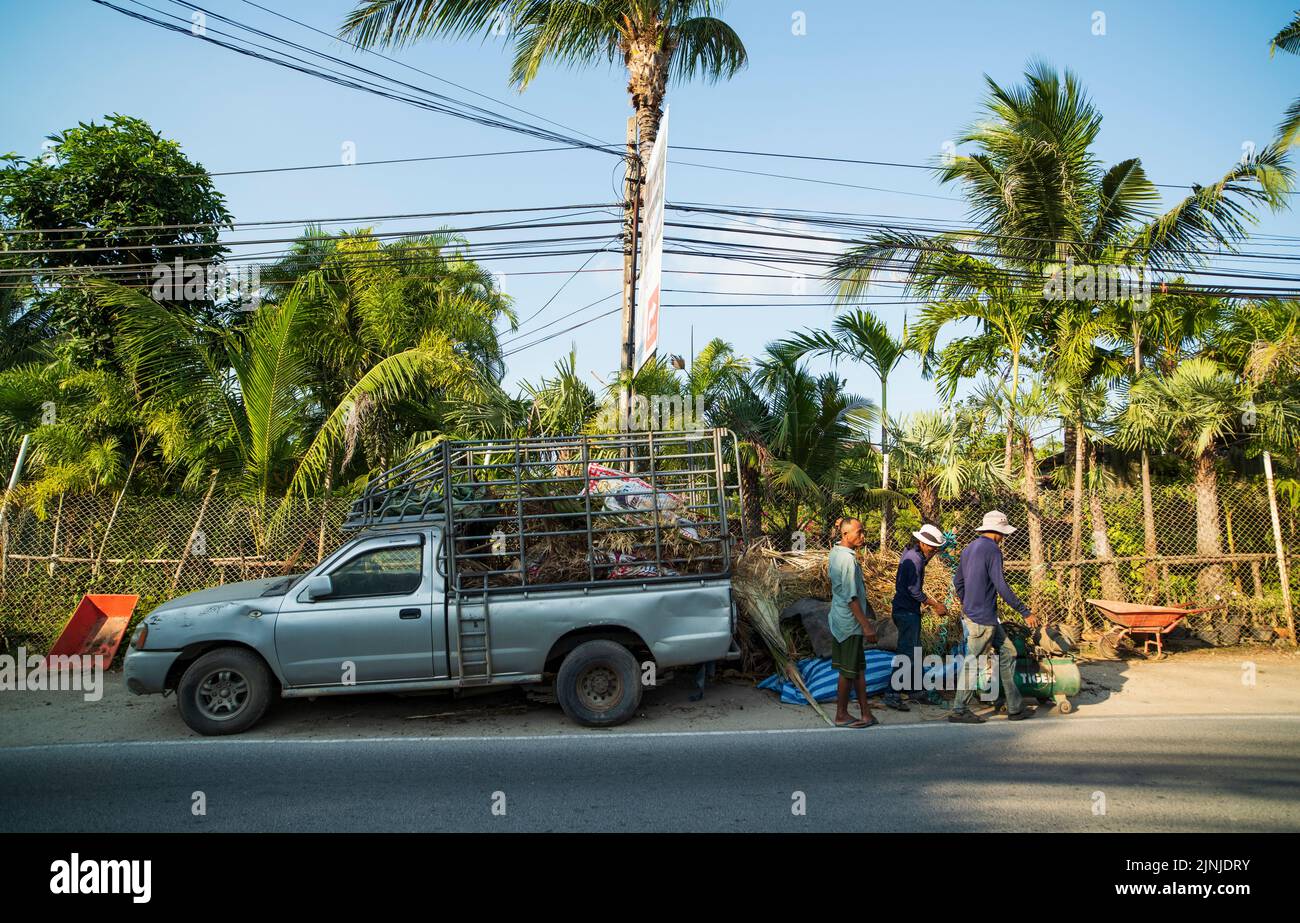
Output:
x=854 y=723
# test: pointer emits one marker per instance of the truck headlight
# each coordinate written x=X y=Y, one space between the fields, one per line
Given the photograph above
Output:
x=141 y=635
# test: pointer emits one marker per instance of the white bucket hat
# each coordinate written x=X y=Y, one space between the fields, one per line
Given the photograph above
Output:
x=996 y=521
x=931 y=535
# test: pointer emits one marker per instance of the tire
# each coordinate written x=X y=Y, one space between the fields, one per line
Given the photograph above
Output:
x=225 y=691
x=599 y=684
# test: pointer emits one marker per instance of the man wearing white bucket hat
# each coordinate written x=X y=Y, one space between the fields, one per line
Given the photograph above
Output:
x=909 y=597
x=979 y=582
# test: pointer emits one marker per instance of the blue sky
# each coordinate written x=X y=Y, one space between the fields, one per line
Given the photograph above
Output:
x=1181 y=84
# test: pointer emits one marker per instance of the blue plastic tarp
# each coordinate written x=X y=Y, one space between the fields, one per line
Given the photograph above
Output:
x=821 y=679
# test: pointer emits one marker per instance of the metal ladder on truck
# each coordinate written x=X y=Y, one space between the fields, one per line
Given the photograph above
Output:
x=473 y=644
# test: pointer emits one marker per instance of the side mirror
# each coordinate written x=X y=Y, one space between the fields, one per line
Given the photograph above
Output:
x=318 y=587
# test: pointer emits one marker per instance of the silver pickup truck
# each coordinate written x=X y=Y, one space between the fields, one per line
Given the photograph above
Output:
x=447 y=585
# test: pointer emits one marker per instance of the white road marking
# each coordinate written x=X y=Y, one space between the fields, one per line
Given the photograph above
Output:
x=626 y=735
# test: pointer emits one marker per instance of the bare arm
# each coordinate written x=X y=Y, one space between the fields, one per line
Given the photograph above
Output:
x=868 y=631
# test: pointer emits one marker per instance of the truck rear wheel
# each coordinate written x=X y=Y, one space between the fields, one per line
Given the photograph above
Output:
x=599 y=684
x=225 y=691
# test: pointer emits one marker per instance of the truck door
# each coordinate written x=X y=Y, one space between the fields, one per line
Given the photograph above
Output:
x=377 y=624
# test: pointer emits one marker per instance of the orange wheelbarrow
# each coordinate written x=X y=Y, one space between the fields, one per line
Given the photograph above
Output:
x=96 y=628
x=1131 y=619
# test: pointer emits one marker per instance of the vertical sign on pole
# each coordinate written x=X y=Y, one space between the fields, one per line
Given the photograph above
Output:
x=652 y=252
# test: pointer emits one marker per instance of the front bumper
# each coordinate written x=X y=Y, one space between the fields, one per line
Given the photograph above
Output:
x=146 y=671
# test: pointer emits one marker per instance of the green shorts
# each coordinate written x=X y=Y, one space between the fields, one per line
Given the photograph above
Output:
x=847 y=655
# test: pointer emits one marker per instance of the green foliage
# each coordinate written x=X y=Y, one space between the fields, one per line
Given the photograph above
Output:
x=1288 y=40
x=685 y=32
x=103 y=196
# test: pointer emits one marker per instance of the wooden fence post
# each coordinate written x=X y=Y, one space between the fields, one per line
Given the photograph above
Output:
x=54 y=544
x=116 y=506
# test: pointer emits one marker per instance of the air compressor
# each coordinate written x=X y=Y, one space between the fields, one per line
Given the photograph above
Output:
x=1044 y=668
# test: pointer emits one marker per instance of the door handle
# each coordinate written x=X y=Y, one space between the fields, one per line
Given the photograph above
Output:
x=408 y=613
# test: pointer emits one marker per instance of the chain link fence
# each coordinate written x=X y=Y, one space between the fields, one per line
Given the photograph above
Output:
x=1229 y=561
x=160 y=547
x=153 y=547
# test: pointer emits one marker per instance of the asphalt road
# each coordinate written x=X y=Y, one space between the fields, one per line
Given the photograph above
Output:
x=1170 y=773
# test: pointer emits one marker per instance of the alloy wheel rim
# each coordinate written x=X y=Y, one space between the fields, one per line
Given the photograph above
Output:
x=222 y=694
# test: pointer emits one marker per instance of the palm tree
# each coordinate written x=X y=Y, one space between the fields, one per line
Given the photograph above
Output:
x=1083 y=369
x=98 y=423
x=559 y=405
x=1040 y=202
x=860 y=336
x=1034 y=406
x=714 y=368
x=1158 y=335
x=1001 y=346
x=1269 y=334
x=248 y=403
x=367 y=299
x=807 y=427
x=1193 y=412
x=936 y=454
x=25 y=326
x=1288 y=133
x=655 y=40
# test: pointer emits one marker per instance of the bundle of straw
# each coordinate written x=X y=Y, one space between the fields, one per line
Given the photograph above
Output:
x=757 y=590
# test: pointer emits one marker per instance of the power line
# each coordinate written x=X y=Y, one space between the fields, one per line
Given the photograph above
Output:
x=564 y=285
x=435 y=102
x=807 y=179
x=518 y=335
x=417 y=70
x=558 y=333
x=283 y=240
x=854 y=160
x=918 y=225
x=398 y=216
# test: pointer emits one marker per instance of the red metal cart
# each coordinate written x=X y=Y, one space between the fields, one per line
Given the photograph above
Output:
x=1140 y=619
x=96 y=628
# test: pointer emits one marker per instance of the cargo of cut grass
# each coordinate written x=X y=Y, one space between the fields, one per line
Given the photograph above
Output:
x=573 y=529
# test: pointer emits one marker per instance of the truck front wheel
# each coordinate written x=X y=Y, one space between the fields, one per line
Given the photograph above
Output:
x=599 y=684
x=225 y=691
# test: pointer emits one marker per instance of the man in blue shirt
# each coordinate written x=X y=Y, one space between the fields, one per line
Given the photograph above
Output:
x=979 y=582
x=909 y=597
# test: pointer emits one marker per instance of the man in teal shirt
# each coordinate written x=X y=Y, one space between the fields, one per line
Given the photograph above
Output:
x=848 y=624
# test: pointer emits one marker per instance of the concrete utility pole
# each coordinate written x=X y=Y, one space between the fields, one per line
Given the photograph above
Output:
x=631 y=222
x=1149 y=548
x=13 y=478
x=1280 y=548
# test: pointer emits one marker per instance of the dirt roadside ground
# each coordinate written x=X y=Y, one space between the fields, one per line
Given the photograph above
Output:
x=1244 y=680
